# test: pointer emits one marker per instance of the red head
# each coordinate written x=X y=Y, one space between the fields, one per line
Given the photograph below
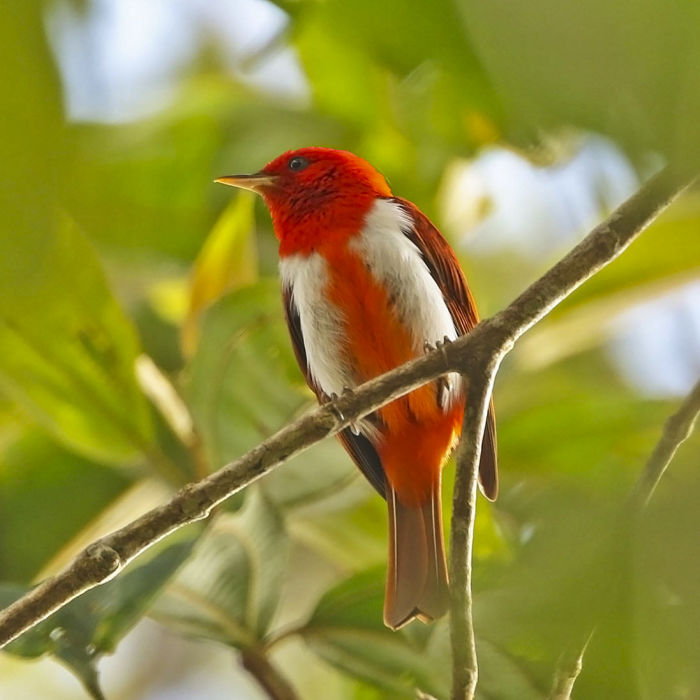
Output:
x=315 y=195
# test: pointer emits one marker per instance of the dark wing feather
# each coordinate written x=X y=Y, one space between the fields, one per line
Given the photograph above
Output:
x=448 y=275
x=358 y=446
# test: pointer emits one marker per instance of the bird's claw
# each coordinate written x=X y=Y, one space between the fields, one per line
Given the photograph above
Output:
x=331 y=399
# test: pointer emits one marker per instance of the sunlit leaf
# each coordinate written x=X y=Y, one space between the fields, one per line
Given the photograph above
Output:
x=33 y=521
x=68 y=350
x=227 y=261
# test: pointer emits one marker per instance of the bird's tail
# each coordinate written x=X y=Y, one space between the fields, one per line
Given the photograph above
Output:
x=416 y=584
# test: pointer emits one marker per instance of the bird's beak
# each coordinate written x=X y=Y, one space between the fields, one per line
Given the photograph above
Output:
x=255 y=182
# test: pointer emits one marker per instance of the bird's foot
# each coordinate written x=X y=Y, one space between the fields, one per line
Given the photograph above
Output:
x=331 y=399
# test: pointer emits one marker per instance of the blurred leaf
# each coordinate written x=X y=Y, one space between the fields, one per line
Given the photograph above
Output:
x=31 y=123
x=347 y=631
x=239 y=383
x=556 y=64
x=355 y=97
x=156 y=195
x=227 y=261
x=576 y=418
x=352 y=537
x=68 y=350
x=666 y=599
x=94 y=623
x=229 y=589
x=590 y=325
x=38 y=513
x=669 y=250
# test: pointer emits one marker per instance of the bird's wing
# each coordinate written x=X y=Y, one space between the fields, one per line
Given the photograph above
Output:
x=448 y=275
x=358 y=446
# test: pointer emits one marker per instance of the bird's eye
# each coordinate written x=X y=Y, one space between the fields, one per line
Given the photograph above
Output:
x=297 y=163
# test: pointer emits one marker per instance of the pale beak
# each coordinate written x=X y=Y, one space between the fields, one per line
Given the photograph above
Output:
x=255 y=182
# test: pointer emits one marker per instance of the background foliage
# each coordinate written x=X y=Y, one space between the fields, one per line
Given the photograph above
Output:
x=115 y=246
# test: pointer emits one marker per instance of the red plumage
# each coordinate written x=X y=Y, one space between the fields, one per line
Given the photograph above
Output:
x=367 y=280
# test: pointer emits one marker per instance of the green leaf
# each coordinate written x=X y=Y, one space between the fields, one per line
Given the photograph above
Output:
x=227 y=261
x=229 y=590
x=346 y=630
x=68 y=350
x=555 y=64
x=576 y=419
x=38 y=511
x=240 y=382
x=353 y=536
x=93 y=624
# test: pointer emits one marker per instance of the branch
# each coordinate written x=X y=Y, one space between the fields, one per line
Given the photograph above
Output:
x=676 y=430
x=483 y=347
x=464 y=664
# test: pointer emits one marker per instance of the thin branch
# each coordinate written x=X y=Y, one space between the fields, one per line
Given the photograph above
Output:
x=268 y=676
x=676 y=430
x=568 y=669
x=464 y=663
x=601 y=246
x=483 y=347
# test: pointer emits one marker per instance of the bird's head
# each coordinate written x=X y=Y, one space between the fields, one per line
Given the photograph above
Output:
x=315 y=192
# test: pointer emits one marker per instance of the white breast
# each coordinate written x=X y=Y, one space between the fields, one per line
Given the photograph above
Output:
x=321 y=322
x=395 y=262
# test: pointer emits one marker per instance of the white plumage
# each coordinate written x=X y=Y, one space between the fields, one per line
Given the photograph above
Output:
x=398 y=265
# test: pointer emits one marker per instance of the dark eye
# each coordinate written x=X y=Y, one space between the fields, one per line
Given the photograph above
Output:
x=297 y=163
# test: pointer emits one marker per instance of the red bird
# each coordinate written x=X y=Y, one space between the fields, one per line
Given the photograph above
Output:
x=367 y=282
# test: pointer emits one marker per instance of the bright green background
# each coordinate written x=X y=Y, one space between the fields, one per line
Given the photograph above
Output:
x=100 y=227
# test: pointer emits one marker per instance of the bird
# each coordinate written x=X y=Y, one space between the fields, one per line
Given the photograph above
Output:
x=369 y=283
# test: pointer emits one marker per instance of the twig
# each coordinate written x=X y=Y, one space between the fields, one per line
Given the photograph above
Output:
x=602 y=245
x=569 y=666
x=271 y=680
x=482 y=348
x=676 y=430
x=464 y=663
